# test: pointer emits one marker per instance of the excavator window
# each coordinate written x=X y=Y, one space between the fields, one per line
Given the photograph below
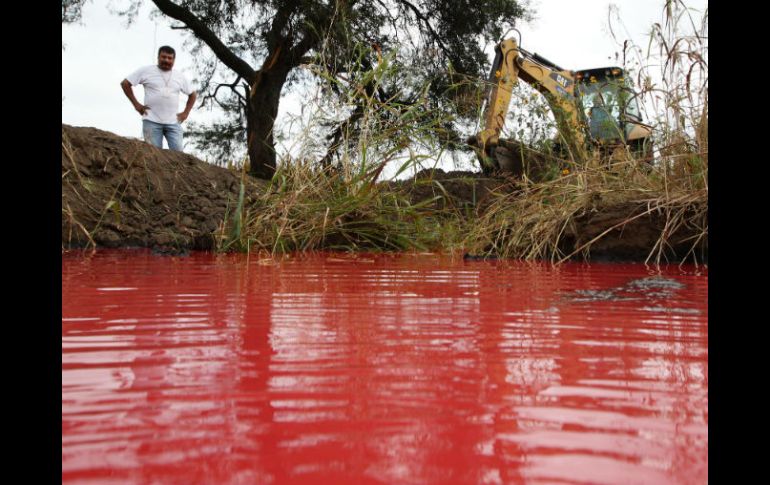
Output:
x=630 y=100
x=610 y=105
x=601 y=106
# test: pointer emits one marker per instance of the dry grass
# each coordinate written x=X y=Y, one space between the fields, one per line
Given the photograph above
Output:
x=307 y=207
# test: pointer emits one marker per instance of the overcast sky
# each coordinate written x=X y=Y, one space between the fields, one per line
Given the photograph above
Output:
x=101 y=52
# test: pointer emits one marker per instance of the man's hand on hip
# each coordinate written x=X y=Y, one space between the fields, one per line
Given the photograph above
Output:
x=141 y=109
x=181 y=117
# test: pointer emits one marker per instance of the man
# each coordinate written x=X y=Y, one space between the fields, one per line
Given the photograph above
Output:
x=161 y=100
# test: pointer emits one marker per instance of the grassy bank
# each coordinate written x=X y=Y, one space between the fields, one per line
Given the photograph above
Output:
x=659 y=214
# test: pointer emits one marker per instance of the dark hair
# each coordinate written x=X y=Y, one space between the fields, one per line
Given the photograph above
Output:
x=167 y=50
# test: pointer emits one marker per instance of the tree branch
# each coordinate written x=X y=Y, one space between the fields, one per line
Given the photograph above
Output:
x=303 y=46
x=232 y=86
x=274 y=38
x=391 y=18
x=421 y=17
x=241 y=67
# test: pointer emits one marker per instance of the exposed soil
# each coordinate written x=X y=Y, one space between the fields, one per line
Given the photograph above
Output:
x=121 y=192
x=454 y=190
x=630 y=240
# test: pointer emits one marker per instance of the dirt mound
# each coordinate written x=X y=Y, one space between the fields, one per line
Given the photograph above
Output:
x=119 y=192
x=453 y=190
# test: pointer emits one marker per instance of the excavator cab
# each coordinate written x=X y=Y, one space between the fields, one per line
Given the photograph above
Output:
x=610 y=107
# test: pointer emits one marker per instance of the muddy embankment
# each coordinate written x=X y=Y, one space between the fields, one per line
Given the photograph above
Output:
x=121 y=192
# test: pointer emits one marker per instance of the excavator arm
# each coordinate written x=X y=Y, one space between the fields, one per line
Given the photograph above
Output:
x=556 y=84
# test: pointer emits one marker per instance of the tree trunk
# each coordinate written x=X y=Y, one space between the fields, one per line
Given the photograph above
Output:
x=261 y=112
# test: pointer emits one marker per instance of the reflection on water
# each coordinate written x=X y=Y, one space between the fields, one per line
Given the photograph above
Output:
x=394 y=369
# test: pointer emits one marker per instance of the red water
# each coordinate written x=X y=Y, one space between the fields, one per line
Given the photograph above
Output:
x=381 y=369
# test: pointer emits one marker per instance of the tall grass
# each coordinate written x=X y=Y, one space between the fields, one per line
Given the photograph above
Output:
x=672 y=70
x=309 y=207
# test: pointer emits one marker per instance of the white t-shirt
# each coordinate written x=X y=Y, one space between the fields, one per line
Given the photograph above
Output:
x=161 y=92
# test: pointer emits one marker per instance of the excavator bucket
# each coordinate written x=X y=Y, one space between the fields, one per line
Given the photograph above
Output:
x=520 y=160
x=516 y=159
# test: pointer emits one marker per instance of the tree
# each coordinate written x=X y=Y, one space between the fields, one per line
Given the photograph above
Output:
x=262 y=42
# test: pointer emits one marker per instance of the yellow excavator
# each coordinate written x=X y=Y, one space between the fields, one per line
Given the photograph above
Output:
x=595 y=110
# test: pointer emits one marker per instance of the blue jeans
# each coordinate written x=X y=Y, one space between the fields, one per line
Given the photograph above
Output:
x=154 y=133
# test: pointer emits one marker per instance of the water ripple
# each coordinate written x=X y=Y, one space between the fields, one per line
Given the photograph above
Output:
x=381 y=369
